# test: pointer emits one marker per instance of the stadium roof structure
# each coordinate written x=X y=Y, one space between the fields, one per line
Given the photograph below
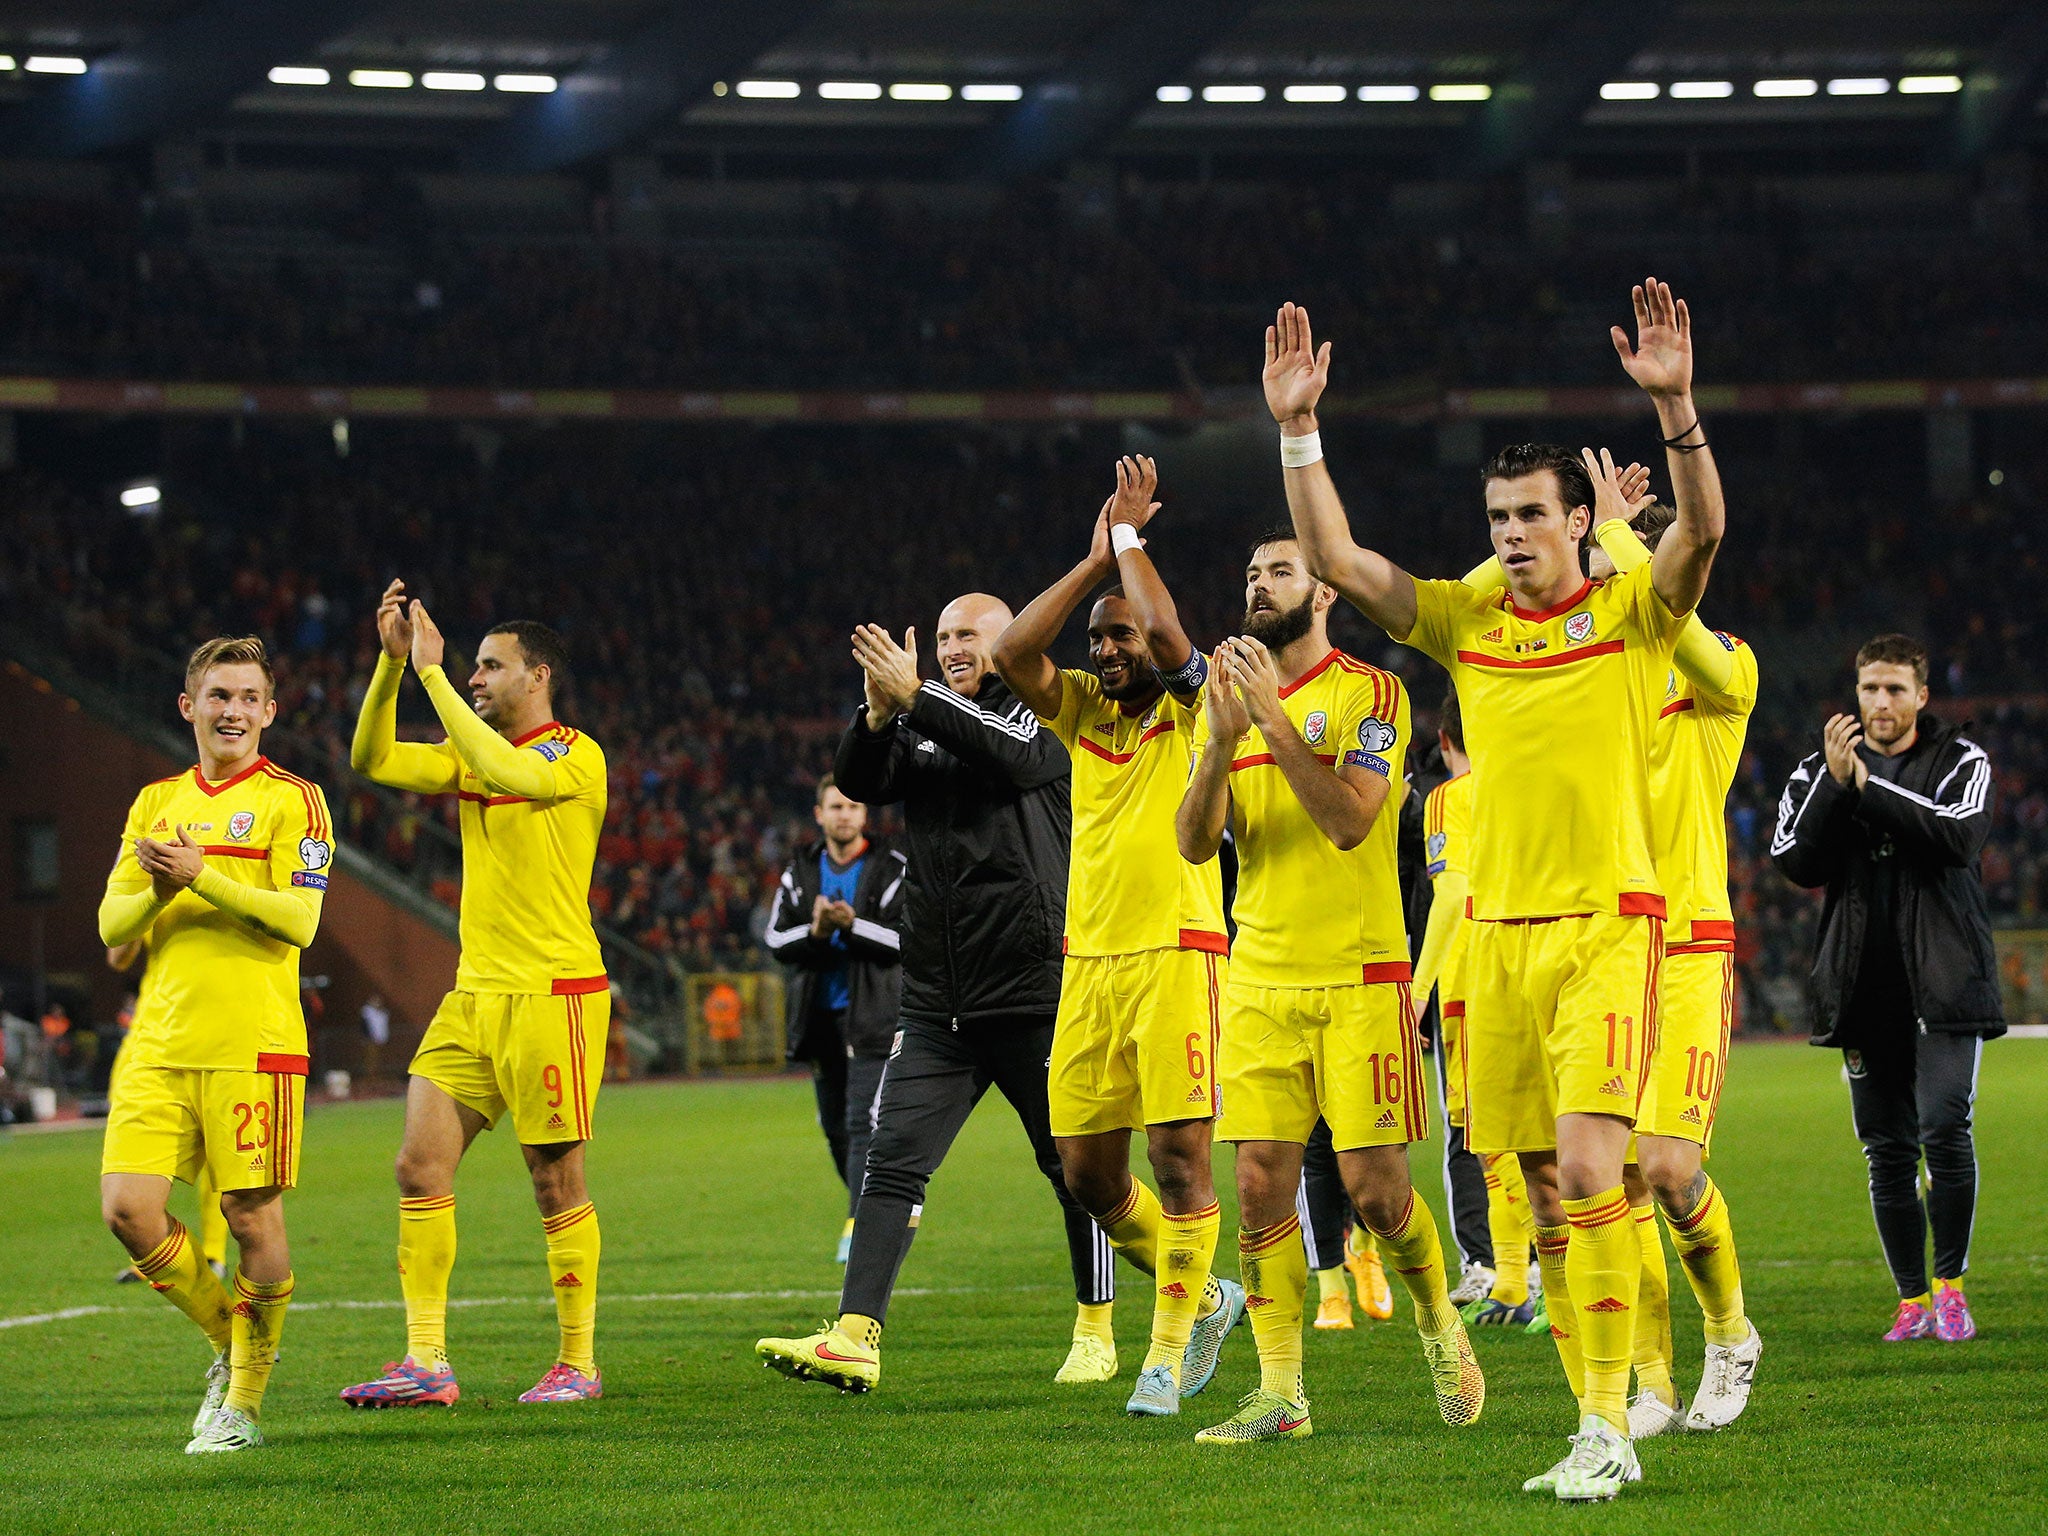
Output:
x=997 y=88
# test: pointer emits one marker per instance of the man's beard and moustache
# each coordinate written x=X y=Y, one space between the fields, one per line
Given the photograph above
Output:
x=1277 y=628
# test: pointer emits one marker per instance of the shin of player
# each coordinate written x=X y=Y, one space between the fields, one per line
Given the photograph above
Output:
x=1134 y=1045
x=1302 y=761
x=1567 y=944
x=212 y=1078
x=524 y=1030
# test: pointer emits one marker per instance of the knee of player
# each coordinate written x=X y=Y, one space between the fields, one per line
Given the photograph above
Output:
x=125 y=1216
x=1671 y=1173
x=418 y=1177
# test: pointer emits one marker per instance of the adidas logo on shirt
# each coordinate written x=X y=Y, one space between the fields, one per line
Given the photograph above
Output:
x=1615 y=1086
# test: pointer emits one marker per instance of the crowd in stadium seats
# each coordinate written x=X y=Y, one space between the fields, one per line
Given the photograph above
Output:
x=1143 y=287
x=707 y=580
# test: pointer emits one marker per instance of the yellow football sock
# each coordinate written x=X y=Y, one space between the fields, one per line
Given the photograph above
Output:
x=1553 y=1245
x=426 y=1258
x=213 y=1221
x=1603 y=1272
x=1133 y=1228
x=175 y=1268
x=1705 y=1241
x=1187 y=1242
x=1415 y=1253
x=1653 y=1309
x=1093 y=1320
x=1507 y=1212
x=861 y=1329
x=573 y=1246
x=259 y=1324
x=1273 y=1267
x=1330 y=1284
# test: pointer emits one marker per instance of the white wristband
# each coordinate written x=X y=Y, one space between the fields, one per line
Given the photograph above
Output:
x=1300 y=452
x=1123 y=538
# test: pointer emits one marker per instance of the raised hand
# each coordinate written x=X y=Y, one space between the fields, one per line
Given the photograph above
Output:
x=1617 y=493
x=1101 y=553
x=428 y=648
x=1258 y=679
x=891 y=668
x=1228 y=718
x=1844 y=734
x=1296 y=373
x=1661 y=359
x=1137 y=477
x=1635 y=486
x=393 y=628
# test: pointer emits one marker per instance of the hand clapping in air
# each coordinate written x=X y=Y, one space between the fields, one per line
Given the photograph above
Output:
x=1296 y=371
x=889 y=669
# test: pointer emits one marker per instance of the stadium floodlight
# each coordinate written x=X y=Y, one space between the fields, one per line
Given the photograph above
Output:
x=299 y=74
x=920 y=91
x=850 y=90
x=1390 y=93
x=1174 y=93
x=1631 y=90
x=54 y=64
x=6 y=61
x=381 y=79
x=1702 y=90
x=989 y=90
x=530 y=85
x=1316 y=93
x=1859 y=87
x=1233 y=93
x=451 y=80
x=768 y=90
x=1461 y=92
x=1930 y=85
x=142 y=496
x=1785 y=87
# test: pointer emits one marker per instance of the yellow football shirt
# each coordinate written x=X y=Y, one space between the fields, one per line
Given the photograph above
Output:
x=1447 y=827
x=1447 y=837
x=1557 y=718
x=1695 y=748
x=1307 y=914
x=1128 y=888
x=219 y=995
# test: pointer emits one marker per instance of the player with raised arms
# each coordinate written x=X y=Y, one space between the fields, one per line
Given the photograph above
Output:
x=1564 y=957
x=524 y=1029
x=222 y=871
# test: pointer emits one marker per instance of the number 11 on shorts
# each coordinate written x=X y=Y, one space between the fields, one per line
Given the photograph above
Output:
x=1621 y=1040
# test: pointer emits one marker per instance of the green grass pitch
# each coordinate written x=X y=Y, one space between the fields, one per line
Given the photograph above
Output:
x=719 y=1219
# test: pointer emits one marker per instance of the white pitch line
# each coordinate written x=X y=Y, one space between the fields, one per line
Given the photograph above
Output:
x=30 y=1320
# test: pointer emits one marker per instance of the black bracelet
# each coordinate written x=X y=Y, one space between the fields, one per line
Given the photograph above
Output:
x=1672 y=442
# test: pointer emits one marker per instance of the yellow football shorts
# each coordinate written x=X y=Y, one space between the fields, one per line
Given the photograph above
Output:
x=1560 y=1019
x=1695 y=1015
x=1450 y=1028
x=241 y=1127
x=1349 y=1055
x=1135 y=1040
x=541 y=1055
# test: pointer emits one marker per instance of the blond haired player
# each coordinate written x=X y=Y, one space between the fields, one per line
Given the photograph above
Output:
x=1565 y=953
x=1447 y=848
x=1302 y=761
x=1135 y=1040
x=222 y=870
x=524 y=1030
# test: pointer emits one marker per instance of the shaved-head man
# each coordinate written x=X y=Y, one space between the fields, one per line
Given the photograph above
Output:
x=984 y=796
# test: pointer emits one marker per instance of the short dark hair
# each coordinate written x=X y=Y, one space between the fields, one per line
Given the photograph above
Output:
x=1519 y=459
x=1653 y=522
x=1283 y=534
x=540 y=646
x=825 y=782
x=1897 y=651
x=1449 y=720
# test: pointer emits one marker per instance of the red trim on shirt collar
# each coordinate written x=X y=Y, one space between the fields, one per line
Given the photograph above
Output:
x=225 y=784
x=1312 y=673
x=539 y=730
x=1555 y=609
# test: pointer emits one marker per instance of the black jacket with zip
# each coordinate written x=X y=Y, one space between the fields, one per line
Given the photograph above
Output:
x=984 y=790
x=872 y=956
x=1921 y=821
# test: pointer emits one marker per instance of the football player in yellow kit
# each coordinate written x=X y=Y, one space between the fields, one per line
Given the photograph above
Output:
x=1566 y=950
x=222 y=870
x=1303 y=762
x=524 y=1030
x=1134 y=1045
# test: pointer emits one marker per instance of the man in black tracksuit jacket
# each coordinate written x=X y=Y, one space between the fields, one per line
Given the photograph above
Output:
x=984 y=792
x=1890 y=816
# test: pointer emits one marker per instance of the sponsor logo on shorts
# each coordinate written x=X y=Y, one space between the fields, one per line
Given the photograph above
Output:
x=1606 y=1304
x=557 y=1123
x=1692 y=1115
x=1579 y=628
x=240 y=825
x=1314 y=727
x=308 y=879
x=256 y=1162
x=1385 y=1121
x=1198 y=1095
x=1616 y=1086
